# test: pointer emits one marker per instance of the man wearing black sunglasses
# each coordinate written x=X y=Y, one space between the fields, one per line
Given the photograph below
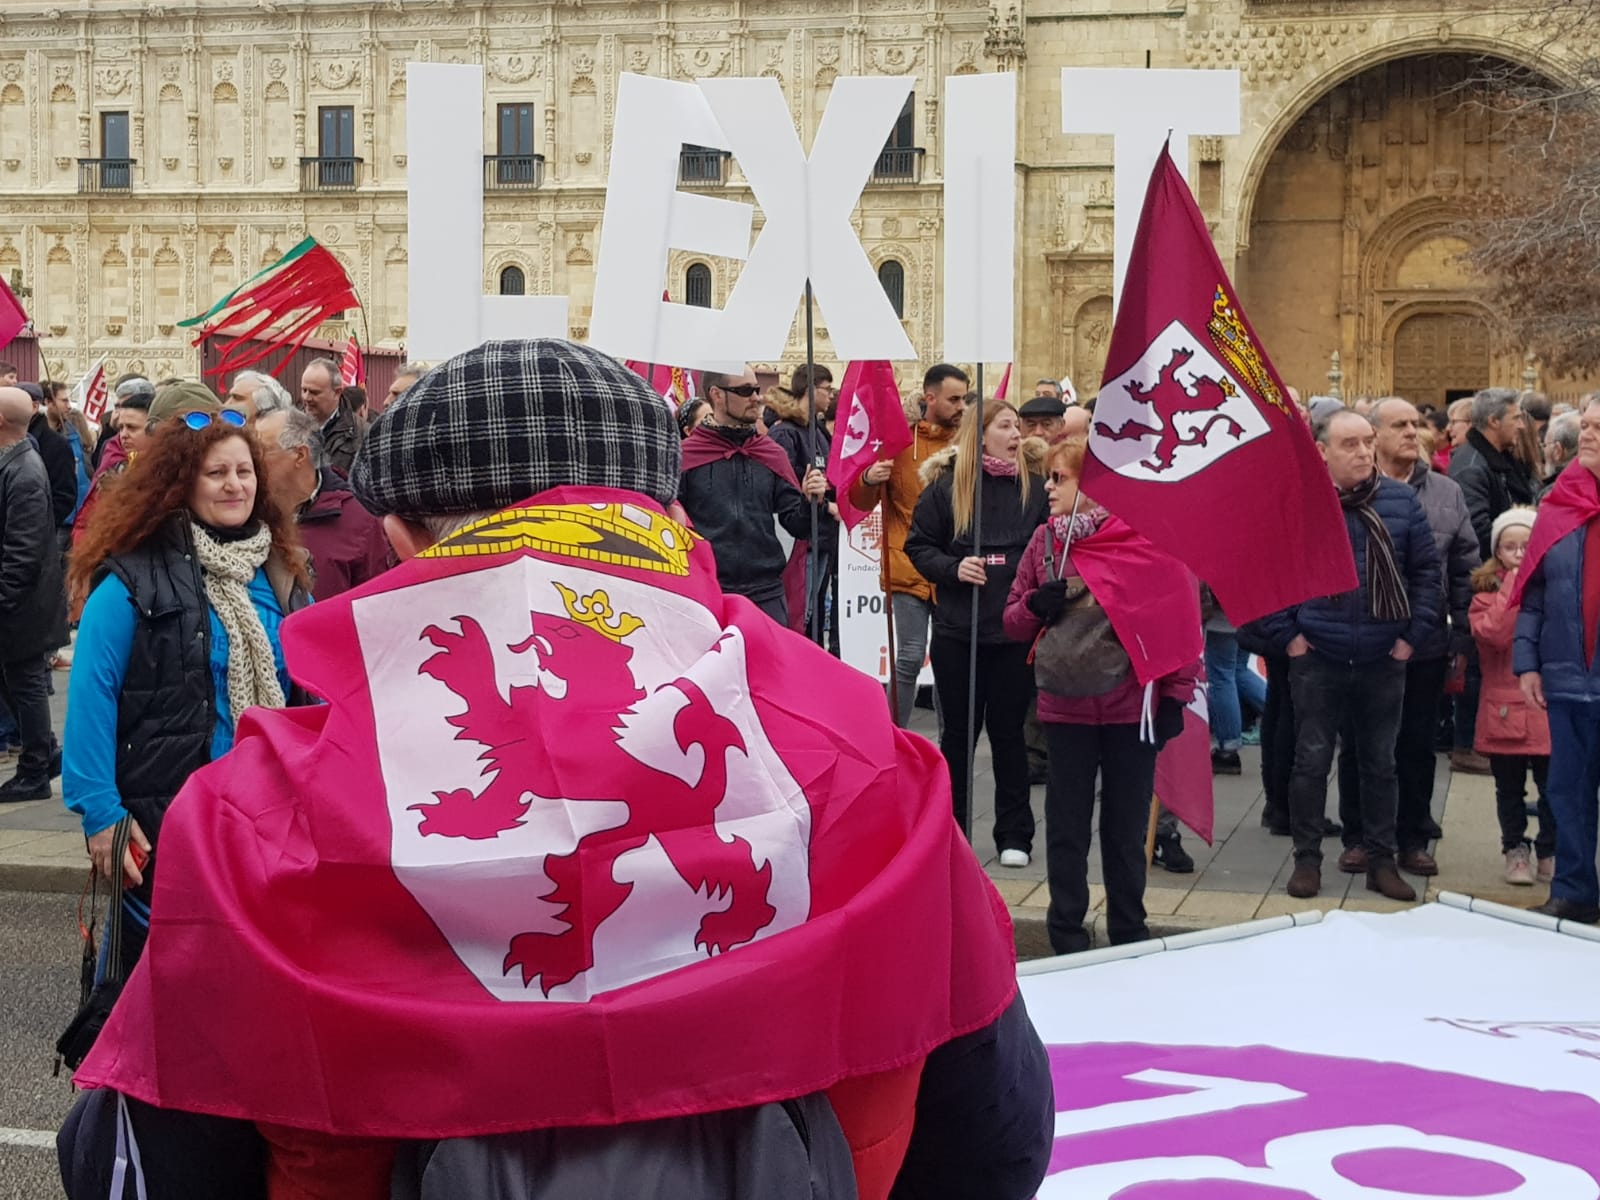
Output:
x=736 y=480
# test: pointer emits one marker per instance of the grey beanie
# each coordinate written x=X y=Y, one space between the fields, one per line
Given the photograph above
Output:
x=496 y=425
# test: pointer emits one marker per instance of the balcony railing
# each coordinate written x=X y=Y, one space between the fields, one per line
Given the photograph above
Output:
x=330 y=174
x=703 y=168
x=105 y=175
x=899 y=164
x=512 y=172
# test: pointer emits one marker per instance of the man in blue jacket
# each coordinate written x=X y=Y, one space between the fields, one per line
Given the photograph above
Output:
x=1348 y=654
x=1554 y=657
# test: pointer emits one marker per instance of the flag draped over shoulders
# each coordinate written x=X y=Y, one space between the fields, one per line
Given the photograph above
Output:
x=556 y=851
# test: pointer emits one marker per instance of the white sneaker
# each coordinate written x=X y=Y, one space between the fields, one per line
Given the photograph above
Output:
x=1015 y=858
x=1519 y=867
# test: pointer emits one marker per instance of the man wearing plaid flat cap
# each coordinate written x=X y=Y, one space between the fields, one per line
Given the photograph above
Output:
x=559 y=861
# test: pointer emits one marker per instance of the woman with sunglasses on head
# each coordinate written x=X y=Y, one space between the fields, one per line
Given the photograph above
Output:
x=941 y=547
x=189 y=570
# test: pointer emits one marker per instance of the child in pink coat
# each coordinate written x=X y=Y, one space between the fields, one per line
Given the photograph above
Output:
x=1513 y=734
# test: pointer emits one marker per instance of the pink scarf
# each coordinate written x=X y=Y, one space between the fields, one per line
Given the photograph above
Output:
x=1004 y=468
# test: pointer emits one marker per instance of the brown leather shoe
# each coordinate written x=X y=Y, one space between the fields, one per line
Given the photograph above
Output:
x=1354 y=860
x=1306 y=881
x=1469 y=762
x=1418 y=862
x=1384 y=879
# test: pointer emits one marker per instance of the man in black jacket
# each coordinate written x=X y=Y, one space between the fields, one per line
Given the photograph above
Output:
x=33 y=609
x=1491 y=479
x=736 y=480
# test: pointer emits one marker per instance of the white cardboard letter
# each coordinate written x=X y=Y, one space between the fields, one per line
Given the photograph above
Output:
x=980 y=226
x=447 y=310
x=1140 y=109
x=807 y=203
x=646 y=217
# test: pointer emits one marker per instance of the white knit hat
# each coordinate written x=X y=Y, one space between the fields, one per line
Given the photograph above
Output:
x=1510 y=519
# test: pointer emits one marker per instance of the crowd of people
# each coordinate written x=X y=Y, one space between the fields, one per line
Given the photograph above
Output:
x=177 y=539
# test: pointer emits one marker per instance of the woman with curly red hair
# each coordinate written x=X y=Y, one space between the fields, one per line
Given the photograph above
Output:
x=188 y=572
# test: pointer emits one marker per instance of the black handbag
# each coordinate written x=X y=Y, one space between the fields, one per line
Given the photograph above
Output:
x=1078 y=655
x=96 y=999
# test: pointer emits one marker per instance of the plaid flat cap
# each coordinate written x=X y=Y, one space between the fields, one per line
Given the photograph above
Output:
x=508 y=420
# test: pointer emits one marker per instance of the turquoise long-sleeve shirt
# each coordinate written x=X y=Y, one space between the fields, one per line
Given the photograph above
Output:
x=99 y=668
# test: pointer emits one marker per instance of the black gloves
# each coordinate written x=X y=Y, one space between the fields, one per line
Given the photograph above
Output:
x=1048 y=601
x=1169 y=720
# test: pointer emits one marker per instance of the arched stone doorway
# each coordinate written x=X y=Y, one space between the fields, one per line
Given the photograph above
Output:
x=1439 y=356
x=1353 y=235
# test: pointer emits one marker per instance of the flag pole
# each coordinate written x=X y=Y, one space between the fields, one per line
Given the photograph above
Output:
x=977 y=595
x=813 y=443
x=894 y=652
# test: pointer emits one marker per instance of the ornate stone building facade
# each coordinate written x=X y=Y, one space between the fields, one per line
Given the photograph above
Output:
x=152 y=156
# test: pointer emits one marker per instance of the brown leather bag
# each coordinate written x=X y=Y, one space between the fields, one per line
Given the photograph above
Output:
x=1079 y=655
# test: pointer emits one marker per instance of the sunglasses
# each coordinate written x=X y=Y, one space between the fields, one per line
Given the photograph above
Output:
x=228 y=416
x=1060 y=477
x=744 y=389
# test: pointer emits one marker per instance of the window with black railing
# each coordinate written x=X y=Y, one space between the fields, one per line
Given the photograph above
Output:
x=513 y=282
x=330 y=174
x=513 y=172
x=702 y=166
x=105 y=175
x=900 y=161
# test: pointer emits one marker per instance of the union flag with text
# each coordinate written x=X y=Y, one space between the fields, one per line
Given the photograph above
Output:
x=1196 y=442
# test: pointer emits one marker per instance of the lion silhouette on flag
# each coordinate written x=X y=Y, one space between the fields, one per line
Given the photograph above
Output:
x=583 y=671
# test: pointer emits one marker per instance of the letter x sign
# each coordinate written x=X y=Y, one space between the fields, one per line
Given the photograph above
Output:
x=807 y=202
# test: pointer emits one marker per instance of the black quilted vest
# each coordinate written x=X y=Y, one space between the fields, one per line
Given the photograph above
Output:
x=167 y=713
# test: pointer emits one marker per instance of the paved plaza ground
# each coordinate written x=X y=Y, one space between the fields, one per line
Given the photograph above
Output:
x=1240 y=878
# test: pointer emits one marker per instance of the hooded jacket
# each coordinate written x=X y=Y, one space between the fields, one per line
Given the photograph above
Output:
x=792 y=432
x=936 y=549
x=899 y=495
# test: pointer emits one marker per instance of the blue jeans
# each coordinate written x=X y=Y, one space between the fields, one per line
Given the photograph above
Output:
x=1574 y=791
x=1231 y=687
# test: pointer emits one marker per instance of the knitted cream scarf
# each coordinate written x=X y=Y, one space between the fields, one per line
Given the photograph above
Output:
x=227 y=569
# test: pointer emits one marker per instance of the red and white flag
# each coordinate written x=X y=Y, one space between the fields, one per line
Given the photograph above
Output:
x=874 y=430
x=559 y=830
x=92 y=391
x=353 y=367
x=1183 y=769
x=1195 y=441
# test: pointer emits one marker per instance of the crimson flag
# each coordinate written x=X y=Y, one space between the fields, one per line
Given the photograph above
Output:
x=353 y=368
x=558 y=850
x=874 y=430
x=1005 y=384
x=1195 y=441
x=1183 y=770
x=12 y=319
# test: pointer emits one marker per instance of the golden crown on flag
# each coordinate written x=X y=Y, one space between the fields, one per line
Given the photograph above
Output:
x=1239 y=350
x=621 y=535
x=595 y=611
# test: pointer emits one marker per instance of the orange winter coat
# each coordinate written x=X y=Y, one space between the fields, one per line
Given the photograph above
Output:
x=899 y=497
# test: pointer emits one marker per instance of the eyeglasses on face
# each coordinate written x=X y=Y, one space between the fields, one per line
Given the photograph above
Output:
x=228 y=416
x=743 y=389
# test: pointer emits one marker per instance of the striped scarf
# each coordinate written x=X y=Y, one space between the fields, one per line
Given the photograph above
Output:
x=227 y=569
x=1386 y=590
